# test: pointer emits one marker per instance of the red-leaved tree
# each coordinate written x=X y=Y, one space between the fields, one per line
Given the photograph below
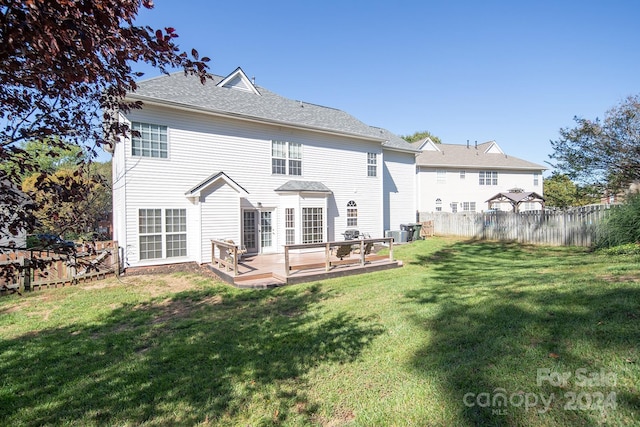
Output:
x=65 y=68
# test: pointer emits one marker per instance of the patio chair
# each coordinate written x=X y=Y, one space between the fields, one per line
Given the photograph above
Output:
x=343 y=251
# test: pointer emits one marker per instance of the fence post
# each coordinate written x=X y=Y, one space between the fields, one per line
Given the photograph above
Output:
x=25 y=276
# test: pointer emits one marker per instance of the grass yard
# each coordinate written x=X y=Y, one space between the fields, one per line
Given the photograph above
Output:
x=465 y=334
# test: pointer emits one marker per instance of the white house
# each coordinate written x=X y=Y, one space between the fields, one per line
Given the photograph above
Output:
x=462 y=178
x=232 y=160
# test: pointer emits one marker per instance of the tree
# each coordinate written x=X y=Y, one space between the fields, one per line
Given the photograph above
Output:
x=561 y=192
x=603 y=153
x=417 y=136
x=65 y=69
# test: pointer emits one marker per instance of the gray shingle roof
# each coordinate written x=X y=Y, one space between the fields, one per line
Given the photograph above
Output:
x=461 y=156
x=310 y=186
x=187 y=91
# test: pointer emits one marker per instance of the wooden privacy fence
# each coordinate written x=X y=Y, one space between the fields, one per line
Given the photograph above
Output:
x=576 y=227
x=35 y=269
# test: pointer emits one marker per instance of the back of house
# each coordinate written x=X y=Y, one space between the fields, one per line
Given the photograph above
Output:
x=230 y=160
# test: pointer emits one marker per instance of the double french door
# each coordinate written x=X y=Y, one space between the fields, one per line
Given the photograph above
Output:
x=258 y=230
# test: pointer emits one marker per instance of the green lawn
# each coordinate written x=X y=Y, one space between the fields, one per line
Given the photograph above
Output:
x=555 y=331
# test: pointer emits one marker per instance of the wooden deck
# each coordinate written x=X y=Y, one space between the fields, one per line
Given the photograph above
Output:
x=304 y=263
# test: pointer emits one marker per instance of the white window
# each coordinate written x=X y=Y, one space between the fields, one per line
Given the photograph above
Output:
x=441 y=176
x=290 y=226
x=152 y=234
x=176 y=229
x=372 y=164
x=454 y=207
x=150 y=229
x=488 y=178
x=535 y=179
x=352 y=214
x=149 y=141
x=438 y=205
x=312 y=225
x=463 y=174
x=468 y=206
x=286 y=158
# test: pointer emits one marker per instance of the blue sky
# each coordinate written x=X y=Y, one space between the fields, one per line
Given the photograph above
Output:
x=510 y=71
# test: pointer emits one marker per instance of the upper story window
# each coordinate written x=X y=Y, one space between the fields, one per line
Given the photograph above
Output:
x=352 y=214
x=286 y=158
x=463 y=174
x=441 y=176
x=469 y=206
x=372 y=164
x=151 y=140
x=438 y=205
x=488 y=178
x=536 y=179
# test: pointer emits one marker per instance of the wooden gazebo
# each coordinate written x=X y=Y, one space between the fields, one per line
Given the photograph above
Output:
x=516 y=197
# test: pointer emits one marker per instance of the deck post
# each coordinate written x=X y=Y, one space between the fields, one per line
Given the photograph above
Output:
x=286 y=261
x=362 y=254
x=391 y=249
x=327 y=256
x=235 y=260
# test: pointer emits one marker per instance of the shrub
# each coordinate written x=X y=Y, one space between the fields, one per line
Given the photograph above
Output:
x=623 y=225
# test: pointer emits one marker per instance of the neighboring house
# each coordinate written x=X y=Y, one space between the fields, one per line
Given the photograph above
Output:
x=232 y=160
x=13 y=202
x=462 y=178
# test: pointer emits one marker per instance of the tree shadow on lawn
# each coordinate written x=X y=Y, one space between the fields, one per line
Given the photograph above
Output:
x=491 y=335
x=200 y=356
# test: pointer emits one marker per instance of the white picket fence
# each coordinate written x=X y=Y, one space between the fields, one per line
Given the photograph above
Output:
x=576 y=227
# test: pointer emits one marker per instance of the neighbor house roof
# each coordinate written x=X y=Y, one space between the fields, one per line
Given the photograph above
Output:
x=236 y=96
x=486 y=155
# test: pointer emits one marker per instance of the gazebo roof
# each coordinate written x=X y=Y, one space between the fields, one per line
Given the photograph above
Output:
x=517 y=197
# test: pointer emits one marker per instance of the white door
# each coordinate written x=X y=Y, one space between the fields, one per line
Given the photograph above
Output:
x=267 y=231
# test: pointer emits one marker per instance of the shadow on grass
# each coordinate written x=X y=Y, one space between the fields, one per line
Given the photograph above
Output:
x=201 y=356
x=506 y=310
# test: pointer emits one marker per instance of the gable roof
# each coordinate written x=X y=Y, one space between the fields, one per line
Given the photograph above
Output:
x=486 y=155
x=236 y=96
x=219 y=176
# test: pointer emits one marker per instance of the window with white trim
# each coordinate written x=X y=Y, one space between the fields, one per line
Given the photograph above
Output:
x=463 y=174
x=488 y=178
x=372 y=164
x=286 y=158
x=441 y=176
x=468 y=206
x=352 y=214
x=154 y=233
x=438 y=205
x=290 y=226
x=312 y=225
x=454 y=207
x=536 y=179
x=176 y=229
x=150 y=230
x=150 y=141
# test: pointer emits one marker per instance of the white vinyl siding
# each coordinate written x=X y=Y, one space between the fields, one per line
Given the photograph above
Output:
x=202 y=146
x=150 y=141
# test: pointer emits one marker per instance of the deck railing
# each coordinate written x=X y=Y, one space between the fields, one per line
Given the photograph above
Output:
x=364 y=247
x=227 y=258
